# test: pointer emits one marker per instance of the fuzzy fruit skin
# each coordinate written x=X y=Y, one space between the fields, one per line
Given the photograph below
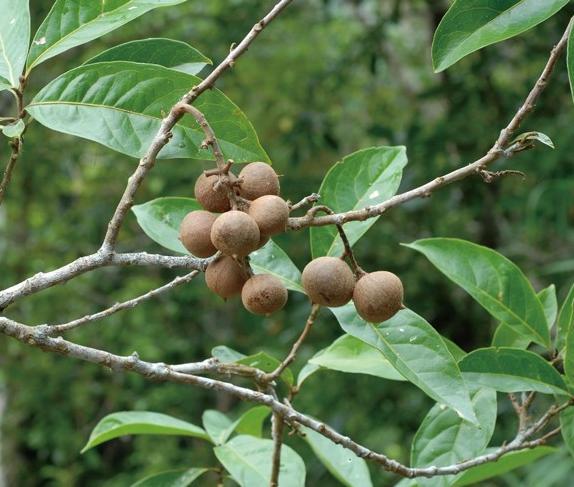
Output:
x=235 y=233
x=225 y=277
x=194 y=233
x=211 y=199
x=378 y=296
x=258 y=179
x=328 y=281
x=263 y=294
x=271 y=213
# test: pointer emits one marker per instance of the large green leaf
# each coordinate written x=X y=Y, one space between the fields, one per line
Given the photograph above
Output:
x=445 y=439
x=364 y=178
x=417 y=351
x=349 y=354
x=343 y=464
x=511 y=370
x=272 y=259
x=121 y=105
x=140 y=423
x=505 y=464
x=14 y=40
x=172 y=478
x=220 y=427
x=72 y=23
x=565 y=319
x=567 y=428
x=248 y=460
x=164 y=52
x=493 y=280
x=470 y=25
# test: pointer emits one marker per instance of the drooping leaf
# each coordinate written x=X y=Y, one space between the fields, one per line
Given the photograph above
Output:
x=445 y=439
x=492 y=280
x=364 y=178
x=470 y=25
x=505 y=464
x=121 y=106
x=248 y=460
x=172 y=478
x=14 y=40
x=565 y=319
x=417 y=352
x=343 y=464
x=220 y=427
x=164 y=52
x=140 y=423
x=272 y=259
x=567 y=428
x=14 y=130
x=511 y=370
x=349 y=354
x=71 y=23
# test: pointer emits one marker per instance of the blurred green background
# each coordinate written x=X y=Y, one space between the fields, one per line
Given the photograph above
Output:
x=328 y=78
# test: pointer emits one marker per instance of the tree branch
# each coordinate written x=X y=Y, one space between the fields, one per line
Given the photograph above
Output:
x=16 y=146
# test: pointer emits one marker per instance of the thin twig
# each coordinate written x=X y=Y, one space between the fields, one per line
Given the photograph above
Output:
x=15 y=149
x=308 y=200
x=277 y=435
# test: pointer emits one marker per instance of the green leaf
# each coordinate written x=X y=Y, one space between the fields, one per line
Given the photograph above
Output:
x=164 y=52
x=71 y=23
x=226 y=355
x=248 y=460
x=527 y=139
x=416 y=351
x=569 y=354
x=172 y=478
x=565 y=319
x=470 y=25
x=567 y=428
x=307 y=371
x=505 y=464
x=364 y=178
x=570 y=60
x=549 y=304
x=14 y=40
x=493 y=280
x=343 y=464
x=140 y=423
x=445 y=439
x=14 y=130
x=272 y=259
x=349 y=354
x=220 y=427
x=511 y=370
x=121 y=106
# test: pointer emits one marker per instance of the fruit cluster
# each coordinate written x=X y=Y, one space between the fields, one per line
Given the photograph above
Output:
x=240 y=215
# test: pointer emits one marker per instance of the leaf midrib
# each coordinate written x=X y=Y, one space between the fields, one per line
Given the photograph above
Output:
x=521 y=377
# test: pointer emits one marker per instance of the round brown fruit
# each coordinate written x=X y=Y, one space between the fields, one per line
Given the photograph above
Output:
x=194 y=233
x=235 y=233
x=328 y=281
x=225 y=277
x=211 y=196
x=271 y=213
x=258 y=179
x=263 y=294
x=378 y=296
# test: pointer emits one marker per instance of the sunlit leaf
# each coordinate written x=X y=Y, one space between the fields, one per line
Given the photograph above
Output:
x=14 y=40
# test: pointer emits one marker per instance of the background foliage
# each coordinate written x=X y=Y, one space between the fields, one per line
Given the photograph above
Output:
x=329 y=78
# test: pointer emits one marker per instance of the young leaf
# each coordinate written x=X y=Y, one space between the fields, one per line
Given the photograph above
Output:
x=565 y=319
x=220 y=427
x=172 y=478
x=418 y=353
x=349 y=354
x=343 y=464
x=14 y=130
x=140 y=423
x=73 y=23
x=504 y=464
x=470 y=25
x=364 y=178
x=163 y=52
x=493 y=280
x=272 y=259
x=121 y=106
x=14 y=40
x=567 y=428
x=248 y=460
x=511 y=370
x=444 y=438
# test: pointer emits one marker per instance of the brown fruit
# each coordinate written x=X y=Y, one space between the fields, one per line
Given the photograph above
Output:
x=212 y=199
x=235 y=233
x=271 y=213
x=225 y=277
x=258 y=179
x=194 y=233
x=378 y=296
x=328 y=281
x=263 y=294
